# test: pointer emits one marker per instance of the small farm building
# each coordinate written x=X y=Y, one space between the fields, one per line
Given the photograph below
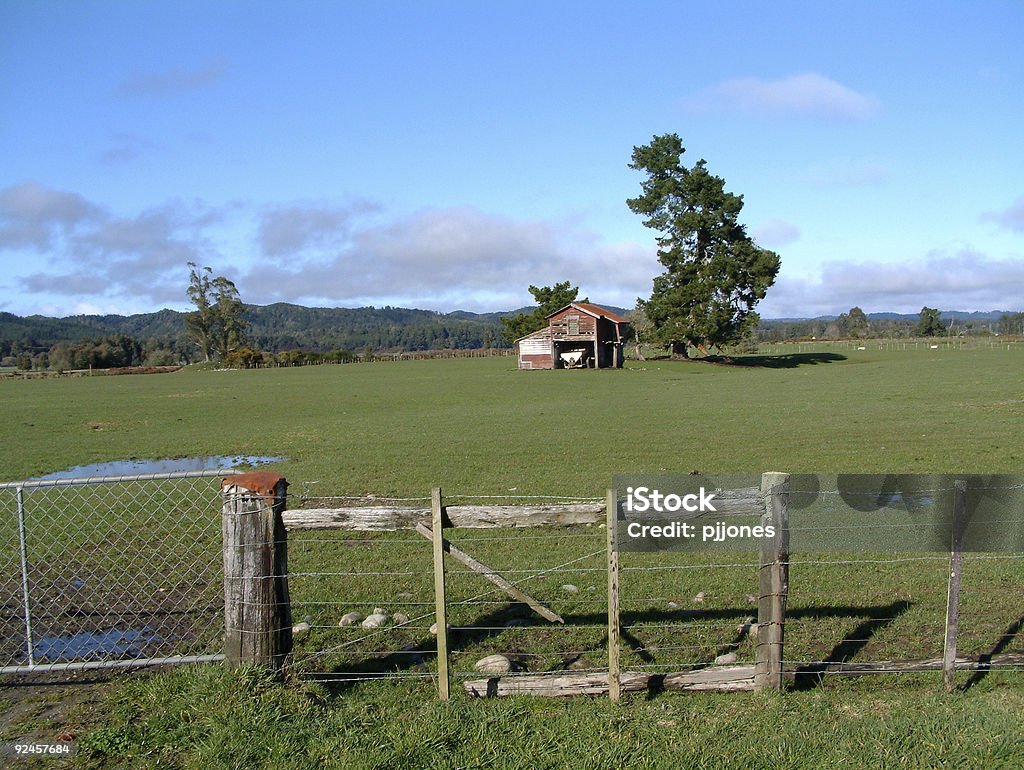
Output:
x=579 y=335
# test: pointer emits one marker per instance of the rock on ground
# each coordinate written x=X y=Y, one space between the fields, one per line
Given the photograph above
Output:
x=493 y=664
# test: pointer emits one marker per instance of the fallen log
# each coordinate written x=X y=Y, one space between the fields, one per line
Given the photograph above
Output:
x=721 y=678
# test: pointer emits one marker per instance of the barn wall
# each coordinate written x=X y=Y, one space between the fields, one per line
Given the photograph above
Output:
x=559 y=324
x=535 y=351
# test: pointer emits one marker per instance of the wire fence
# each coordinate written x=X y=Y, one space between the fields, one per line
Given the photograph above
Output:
x=898 y=344
x=129 y=571
x=110 y=572
x=846 y=612
x=375 y=616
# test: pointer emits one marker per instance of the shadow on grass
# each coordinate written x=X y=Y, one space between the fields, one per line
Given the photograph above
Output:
x=787 y=361
x=985 y=660
x=810 y=676
x=412 y=659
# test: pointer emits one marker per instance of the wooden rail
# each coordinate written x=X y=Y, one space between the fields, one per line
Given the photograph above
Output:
x=383 y=518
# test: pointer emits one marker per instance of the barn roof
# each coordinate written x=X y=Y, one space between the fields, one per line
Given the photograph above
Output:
x=594 y=310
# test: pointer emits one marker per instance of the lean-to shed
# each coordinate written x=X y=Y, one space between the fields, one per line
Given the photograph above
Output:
x=579 y=335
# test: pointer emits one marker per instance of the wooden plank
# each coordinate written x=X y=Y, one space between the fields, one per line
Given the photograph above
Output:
x=773 y=579
x=391 y=518
x=495 y=577
x=956 y=560
x=440 y=603
x=614 y=632
x=721 y=678
x=384 y=518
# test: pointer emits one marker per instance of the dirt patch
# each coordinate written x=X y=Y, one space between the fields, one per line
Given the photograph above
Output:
x=50 y=709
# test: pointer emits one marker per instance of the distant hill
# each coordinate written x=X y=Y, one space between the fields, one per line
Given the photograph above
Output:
x=275 y=328
x=949 y=315
x=284 y=326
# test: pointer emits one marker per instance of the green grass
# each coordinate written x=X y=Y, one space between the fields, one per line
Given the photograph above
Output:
x=211 y=718
x=479 y=427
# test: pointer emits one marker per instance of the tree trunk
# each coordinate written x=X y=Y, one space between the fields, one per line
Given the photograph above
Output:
x=679 y=351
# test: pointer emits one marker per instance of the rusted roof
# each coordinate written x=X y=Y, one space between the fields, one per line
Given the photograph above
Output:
x=595 y=310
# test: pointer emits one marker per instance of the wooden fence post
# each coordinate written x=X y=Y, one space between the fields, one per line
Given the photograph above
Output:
x=956 y=560
x=440 y=601
x=257 y=609
x=774 y=583
x=614 y=630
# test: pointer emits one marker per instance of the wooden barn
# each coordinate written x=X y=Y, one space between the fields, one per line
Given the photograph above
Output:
x=578 y=336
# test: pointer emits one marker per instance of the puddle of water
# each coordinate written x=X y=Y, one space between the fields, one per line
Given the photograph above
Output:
x=92 y=644
x=132 y=467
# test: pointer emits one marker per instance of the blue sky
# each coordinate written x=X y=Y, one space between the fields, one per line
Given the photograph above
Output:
x=447 y=155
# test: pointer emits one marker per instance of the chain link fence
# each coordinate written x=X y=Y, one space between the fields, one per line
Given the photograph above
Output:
x=110 y=572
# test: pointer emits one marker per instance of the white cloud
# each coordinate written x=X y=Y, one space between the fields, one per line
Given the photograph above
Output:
x=804 y=94
x=86 y=251
x=174 y=81
x=1012 y=217
x=292 y=229
x=352 y=254
x=451 y=258
x=38 y=216
x=439 y=259
x=775 y=232
x=963 y=279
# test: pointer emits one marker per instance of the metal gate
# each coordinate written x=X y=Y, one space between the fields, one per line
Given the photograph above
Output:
x=110 y=572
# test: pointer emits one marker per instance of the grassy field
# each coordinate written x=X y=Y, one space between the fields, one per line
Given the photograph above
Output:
x=478 y=427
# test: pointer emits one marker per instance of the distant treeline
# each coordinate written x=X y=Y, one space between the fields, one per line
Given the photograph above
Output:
x=282 y=331
x=889 y=326
x=290 y=335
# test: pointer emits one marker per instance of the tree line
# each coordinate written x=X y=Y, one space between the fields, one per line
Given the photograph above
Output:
x=856 y=325
x=282 y=335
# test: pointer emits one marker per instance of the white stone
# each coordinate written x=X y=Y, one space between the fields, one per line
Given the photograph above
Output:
x=699 y=598
x=569 y=588
x=300 y=631
x=399 y=618
x=493 y=664
x=749 y=626
x=726 y=660
x=376 y=620
x=350 y=619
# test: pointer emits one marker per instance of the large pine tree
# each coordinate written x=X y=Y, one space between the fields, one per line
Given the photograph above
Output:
x=714 y=272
